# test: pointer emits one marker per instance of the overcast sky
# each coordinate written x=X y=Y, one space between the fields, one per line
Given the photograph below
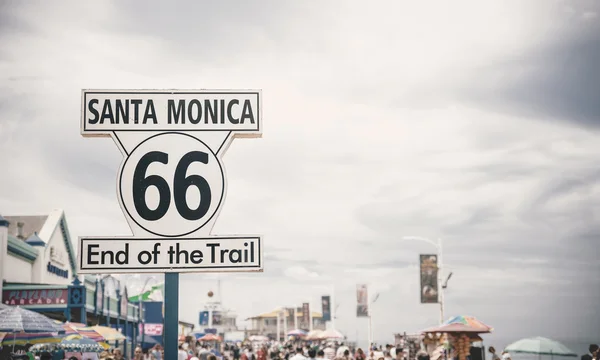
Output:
x=477 y=122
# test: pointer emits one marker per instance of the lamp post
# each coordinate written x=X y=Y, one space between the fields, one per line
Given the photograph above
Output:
x=441 y=285
x=370 y=322
x=117 y=285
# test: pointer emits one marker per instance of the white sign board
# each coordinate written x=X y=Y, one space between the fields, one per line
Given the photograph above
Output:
x=172 y=183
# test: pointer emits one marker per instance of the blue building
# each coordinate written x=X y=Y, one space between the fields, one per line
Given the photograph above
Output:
x=38 y=272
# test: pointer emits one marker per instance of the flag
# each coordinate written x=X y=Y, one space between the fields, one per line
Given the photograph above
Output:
x=155 y=293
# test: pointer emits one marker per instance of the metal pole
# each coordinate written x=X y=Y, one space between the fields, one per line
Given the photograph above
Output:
x=370 y=335
x=141 y=318
x=278 y=324
x=171 y=314
x=118 y=311
x=440 y=279
x=285 y=319
x=332 y=306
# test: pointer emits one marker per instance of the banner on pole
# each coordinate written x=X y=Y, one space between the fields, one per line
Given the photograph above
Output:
x=217 y=318
x=429 y=278
x=362 y=300
x=326 y=307
x=305 y=315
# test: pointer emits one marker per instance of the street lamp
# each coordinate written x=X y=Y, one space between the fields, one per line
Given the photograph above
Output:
x=370 y=323
x=442 y=285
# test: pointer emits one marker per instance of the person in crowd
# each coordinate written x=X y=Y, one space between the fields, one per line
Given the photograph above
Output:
x=492 y=351
x=399 y=353
x=118 y=354
x=320 y=355
x=329 y=352
x=299 y=354
x=138 y=354
x=181 y=353
x=156 y=352
x=360 y=355
x=45 y=356
x=593 y=354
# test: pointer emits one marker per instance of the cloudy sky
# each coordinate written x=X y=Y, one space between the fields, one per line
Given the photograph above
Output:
x=475 y=122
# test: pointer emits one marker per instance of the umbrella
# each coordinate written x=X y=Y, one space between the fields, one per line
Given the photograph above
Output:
x=109 y=334
x=461 y=324
x=72 y=343
x=15 y=319
x=331 y=334
x=24 y=338
x=314 y=335
x=83 y=330
x=210 y=337
x=296 y=332
x=541 y=346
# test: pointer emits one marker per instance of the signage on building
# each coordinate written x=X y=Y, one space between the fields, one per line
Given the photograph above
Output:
x=57 y=271
x=171 y=184
x=58 y=257
x=48 y=297
x=151 y=329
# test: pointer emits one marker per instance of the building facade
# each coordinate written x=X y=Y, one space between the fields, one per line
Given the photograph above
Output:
x=38 y=272
x=266 y=324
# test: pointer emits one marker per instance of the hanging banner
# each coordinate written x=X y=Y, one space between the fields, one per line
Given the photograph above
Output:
x=326 y=307
x=362 y=300
x=305 y=315
x=217 y=318
x=429 y=279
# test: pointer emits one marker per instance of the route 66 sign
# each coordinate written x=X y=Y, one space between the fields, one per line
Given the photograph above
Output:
x=171 y=183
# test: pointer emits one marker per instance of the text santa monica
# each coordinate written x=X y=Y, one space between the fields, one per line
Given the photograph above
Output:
x=164 y=111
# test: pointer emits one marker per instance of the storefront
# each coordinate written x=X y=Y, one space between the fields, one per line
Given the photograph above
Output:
x=38 y=272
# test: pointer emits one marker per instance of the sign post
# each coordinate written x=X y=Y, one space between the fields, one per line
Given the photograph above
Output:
x=171 y=185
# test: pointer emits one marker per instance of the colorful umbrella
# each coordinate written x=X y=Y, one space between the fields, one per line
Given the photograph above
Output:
x=461 y=324
x=540 y=346
x=83 y=330
x=7 y=339
x=296 y=332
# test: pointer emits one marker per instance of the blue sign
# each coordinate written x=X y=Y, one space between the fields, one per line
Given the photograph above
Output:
x=203 y=318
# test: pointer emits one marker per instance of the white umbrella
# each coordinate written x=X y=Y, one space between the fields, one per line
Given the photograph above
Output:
x=540 y=346
x=331 y=334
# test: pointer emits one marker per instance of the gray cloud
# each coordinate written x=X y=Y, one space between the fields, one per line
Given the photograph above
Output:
x=558 y=81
